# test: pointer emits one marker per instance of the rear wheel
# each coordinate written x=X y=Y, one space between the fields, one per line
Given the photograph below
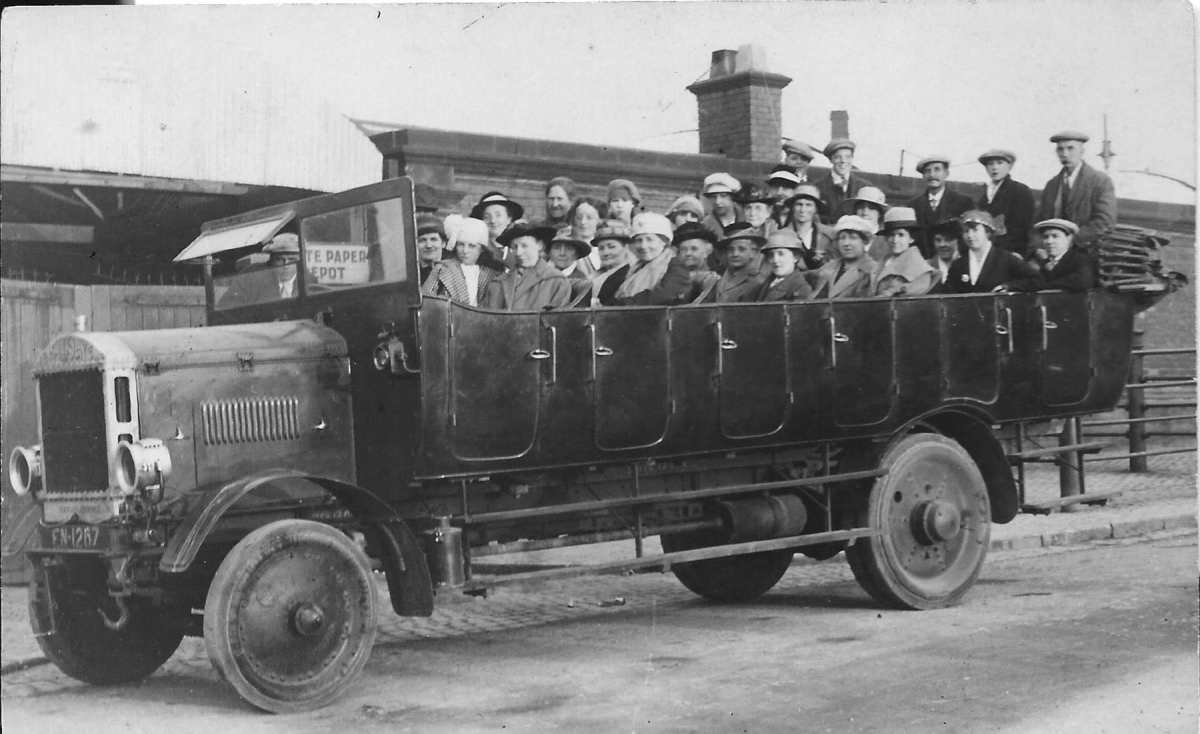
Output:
x=291 y=616
x=733 y=578
x=68 y=603
x=932 y=508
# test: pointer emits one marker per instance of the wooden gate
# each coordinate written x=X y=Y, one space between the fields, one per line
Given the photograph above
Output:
x=31 y=314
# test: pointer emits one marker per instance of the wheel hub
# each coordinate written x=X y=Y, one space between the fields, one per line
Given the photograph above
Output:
x=308 y=619
x=935 y=521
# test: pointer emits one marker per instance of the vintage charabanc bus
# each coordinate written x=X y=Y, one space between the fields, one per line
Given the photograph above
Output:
x=245 y=480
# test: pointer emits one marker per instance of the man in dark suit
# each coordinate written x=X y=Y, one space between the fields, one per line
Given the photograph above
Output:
x=1010 y=202
x=985 y=268
x=1079 y=193
x=1063 y=267
x=939 y=202
x=843 y=182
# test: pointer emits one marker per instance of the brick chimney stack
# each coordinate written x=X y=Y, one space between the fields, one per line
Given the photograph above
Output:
x=739 y=105
x=839 y=124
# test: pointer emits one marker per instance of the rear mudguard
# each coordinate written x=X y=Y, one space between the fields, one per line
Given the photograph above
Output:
x=403 y=559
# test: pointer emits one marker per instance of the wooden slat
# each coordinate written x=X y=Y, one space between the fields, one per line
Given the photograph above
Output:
x=38 y=232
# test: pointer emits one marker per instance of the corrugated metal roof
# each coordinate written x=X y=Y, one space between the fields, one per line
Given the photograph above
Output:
x=106 y=89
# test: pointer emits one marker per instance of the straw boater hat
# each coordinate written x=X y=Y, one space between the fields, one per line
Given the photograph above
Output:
x=515 y=210
x=740 y=231
x=900 y=217
x=785 y=174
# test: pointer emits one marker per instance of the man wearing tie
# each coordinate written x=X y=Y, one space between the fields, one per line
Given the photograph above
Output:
x=939 y=202
x=1079 y=193
x=1010 y=202
x=842 y=182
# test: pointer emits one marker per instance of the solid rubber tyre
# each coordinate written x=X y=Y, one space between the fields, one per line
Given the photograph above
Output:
x=65 y=606
x=933 y=510
x=290 y=617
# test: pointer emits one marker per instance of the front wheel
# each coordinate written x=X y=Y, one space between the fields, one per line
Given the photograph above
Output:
x=935 y=520
x=68 y=603
x=290 y=617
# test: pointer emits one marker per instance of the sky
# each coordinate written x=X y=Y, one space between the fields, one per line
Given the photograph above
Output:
x=951 y=77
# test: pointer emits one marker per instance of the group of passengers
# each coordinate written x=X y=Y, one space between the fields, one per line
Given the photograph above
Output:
x=788 y=240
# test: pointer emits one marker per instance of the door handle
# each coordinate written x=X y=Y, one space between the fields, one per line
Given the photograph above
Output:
x=1006 y=328
x=603 y=352
x=728 y=344
x=1047 y=325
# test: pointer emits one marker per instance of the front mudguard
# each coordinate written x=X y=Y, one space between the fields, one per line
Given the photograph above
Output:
x=404 y=563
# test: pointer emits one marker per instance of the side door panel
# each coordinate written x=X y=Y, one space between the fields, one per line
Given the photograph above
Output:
x=752 y=359
x=631 y=367
x=863 y=366
x=969 y=341
x=1066 y=347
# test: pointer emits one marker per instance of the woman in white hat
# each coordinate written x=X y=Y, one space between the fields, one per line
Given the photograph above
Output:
x=849 y=276
x=464 y=279
x=902 y=271
x=658 y=278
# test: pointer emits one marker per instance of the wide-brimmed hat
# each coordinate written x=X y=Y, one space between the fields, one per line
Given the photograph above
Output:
x=694 y=231
x=581 y=248
x=527 y=229
x=651 y=223
x=839 y=144
x=515 y=210
x=612 y=229
x=721 y=183
x=430 y=224
x=687 y=203
x=784 y=174
x=900 y=217
x=944 y=160
x=806 y=191
x=1070 y=135
x=867 y=195
x=621 y=185
x=946 y=228
x=284 y=242
x=978 y=216
x=999 y=154
x=799 y=148
x=741 y=231
x=855 y=223
x=784 y=239
x=1065 y=225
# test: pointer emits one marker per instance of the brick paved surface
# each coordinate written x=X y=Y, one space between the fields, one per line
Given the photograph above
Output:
x=1163 y=499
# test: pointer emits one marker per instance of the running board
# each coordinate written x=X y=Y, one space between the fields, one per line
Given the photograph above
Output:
x=664 y=561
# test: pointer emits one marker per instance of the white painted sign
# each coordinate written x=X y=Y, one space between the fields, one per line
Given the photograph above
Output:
x=338 y=264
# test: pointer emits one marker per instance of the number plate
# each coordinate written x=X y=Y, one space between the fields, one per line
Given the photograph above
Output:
x=76 y=537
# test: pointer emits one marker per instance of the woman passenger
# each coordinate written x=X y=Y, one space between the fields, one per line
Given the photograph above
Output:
x=658 y=278
x=685 y=209
x=566 y=254
x=610 y=243
x=871 y=205
x=757 y=206
x=463 y=279
x=624 y=200
x=786 y=282
x=903 y=271
x=815 y=238
x=585 y=215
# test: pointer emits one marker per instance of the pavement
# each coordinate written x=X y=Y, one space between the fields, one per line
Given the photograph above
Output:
x=1162 y=499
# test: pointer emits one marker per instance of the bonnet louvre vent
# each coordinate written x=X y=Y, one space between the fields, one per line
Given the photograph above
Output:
x=255 y=419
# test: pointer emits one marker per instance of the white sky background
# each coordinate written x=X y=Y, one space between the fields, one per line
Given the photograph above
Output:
x=933 y=76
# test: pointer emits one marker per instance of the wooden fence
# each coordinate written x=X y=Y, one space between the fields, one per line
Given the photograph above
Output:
x=31 y=314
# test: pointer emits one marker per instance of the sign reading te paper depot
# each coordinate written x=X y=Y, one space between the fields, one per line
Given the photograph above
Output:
x=338 y=264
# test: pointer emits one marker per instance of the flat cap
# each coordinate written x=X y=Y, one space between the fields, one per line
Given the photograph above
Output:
x=1069 y=135
x=721 y=183
x=799 y=148
x=839 y=144
x=855 y=223
x=283 y=242
x=978 y=216
x=1064 y=224
x=1000 y=153
x=932 y=159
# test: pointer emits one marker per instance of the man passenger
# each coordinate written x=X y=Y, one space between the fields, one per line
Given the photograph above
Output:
x=1008 y=201
x=1063 y=266
x=719 y=189
x=842 y=182
x=938 y=202
x=1079 y=193
x=799 y=156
